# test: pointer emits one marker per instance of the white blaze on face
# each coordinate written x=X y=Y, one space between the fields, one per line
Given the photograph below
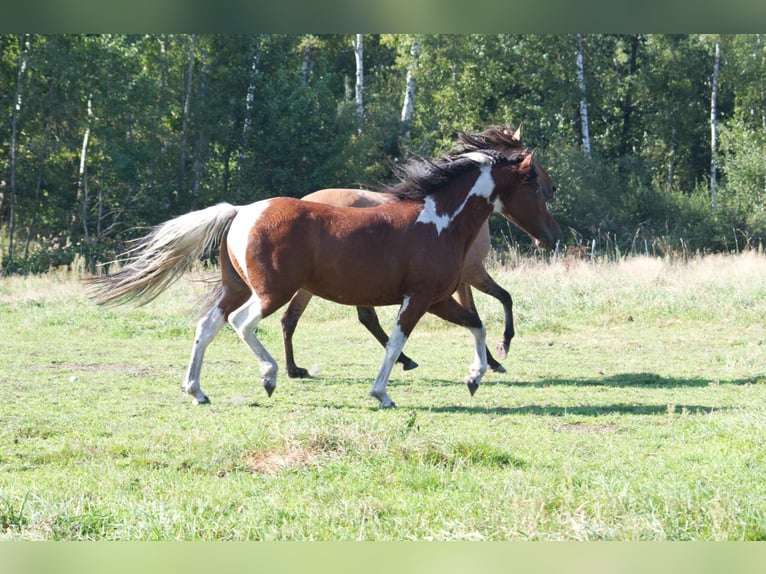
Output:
x=482 y=188
x=239 y=231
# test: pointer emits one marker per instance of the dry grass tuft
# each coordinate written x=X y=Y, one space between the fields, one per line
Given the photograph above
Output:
x=271 y=461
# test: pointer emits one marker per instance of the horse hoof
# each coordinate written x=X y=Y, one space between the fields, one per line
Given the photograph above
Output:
x=269 y=386
x=502 y=349
x=203 y=400
x=298 y=373
x=472 y=386
x=498 y=368
x=389 y=405
x=408 y=365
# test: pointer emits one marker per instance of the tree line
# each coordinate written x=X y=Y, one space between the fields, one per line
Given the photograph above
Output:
x=652 y=139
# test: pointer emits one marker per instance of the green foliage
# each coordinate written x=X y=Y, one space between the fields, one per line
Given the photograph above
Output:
x=271 y=114
x=744 y=195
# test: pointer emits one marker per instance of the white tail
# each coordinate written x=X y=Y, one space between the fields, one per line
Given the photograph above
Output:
x=161 y=257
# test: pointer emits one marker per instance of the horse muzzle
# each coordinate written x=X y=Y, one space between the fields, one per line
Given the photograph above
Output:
x=549 y=238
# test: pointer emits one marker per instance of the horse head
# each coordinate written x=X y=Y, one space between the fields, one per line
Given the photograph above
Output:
x=523 y=190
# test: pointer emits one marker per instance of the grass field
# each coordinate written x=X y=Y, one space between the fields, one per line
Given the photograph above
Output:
x=634 y=408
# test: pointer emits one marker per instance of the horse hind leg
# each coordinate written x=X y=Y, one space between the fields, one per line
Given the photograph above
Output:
x=451 y=311
x=490 y=287
x=464 y=296
x=207 y=328
x=243 y=320
x=289 y=322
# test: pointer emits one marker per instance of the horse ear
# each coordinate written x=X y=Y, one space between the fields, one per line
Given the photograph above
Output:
x=517 y=134
x=528 y=161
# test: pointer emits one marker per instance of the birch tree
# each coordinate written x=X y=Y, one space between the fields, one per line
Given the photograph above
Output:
x=187 y=113
x=162 y=64
x=308 y=45
x=714 y=121
x=247 y=124
x=359 y=86
x=82 y=174
x=408 y=107
x=22 y=67
x=583 y=99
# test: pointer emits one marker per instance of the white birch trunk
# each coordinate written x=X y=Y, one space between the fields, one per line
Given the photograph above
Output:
x=157 y=105
x=714 y=123
x=408 y=107
x=306 y=64
x=187 y=112
x=583 y=100
x=199 y=148
x=249 y=105
x=14 y=140
x=82 y=173
x=359 y=93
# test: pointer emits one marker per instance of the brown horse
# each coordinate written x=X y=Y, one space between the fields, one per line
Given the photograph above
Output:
x=473 y=274
x=499 y=138
x=408 y=253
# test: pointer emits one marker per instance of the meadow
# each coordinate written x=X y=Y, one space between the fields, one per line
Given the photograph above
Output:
x=633 y=408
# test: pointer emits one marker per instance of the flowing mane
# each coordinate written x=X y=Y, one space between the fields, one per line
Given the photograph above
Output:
x=502 y=138
x=421 y=177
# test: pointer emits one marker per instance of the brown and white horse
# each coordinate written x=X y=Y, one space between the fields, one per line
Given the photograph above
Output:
x=474 y=274
x=408 y=253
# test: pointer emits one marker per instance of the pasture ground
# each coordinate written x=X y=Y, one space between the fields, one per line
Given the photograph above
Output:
x=634 y=408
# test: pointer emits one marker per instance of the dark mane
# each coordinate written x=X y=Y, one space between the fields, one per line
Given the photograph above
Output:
x=420 y=177
x=499 y=138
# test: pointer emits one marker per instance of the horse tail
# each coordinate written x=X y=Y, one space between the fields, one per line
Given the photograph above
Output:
x=158 y=259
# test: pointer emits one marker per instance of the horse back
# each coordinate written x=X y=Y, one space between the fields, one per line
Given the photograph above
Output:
x=364 y=257
x=347 y=197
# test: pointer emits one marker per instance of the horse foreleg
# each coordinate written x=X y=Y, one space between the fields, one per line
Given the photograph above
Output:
x=406 y=320
x=369 y=318
x=487 y=285
x=289 y=321
x=243 y=320
x=207 y=329
x=451 y=311
x=464 y=296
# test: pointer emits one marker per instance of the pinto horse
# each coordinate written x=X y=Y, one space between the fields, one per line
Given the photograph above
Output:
x=473 y=274
x=499 y=138
x=407 y=253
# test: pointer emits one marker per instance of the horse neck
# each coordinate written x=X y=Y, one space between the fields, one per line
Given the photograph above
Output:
x=463 y=206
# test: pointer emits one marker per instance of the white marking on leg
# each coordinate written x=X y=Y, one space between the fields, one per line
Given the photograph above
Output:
x=396 y=343
x=207 y=329
x=239 y=231
x=483 y=187
x=479 y=365
x=244 y=320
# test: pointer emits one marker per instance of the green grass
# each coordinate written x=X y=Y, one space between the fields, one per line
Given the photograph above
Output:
x=634 y=407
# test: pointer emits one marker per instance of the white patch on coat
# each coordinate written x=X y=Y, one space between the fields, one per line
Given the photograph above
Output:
x=239 y=231
x=483 y=187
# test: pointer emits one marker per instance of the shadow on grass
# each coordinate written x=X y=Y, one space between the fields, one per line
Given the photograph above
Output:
x=595 y=410
x=623 y=380
x=620 y=380
x=579 y=410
